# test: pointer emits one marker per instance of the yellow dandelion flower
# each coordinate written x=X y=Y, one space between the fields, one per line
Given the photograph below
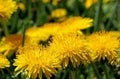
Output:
x=4 y=61
x=22 y=6
x=36 y=61
x=89 y=3
x=55 y=2
x=115 y=33
x=71 y=48
x=10 y=43
x=75 y=24
x=58 y=13
x=7 y=7
x=104 y=45
x=52 y=28
x=35 y=35
x=43 y=32
x=45 y=1
x=38 y=34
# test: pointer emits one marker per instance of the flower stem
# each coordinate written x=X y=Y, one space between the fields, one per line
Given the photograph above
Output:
x=77 y=7
x=24 y=75
x=23 y=36
x=30 y=10
x=72 y=73
x=5 y=28
x=27 y=22
x=105 y=67
x=97 y=15
x=65 y=74
x=10 y=72
x=96 y=70
x=116 y=6
x=14 y=22
x=2 y=71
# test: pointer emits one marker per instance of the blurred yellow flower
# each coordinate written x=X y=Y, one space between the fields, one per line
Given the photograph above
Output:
x=22 y=6
x=55 y=2
x=45 y=1
x=115 y=33
x=52 y=28
x=35 y=34
x=10 y=43
x=103 y=45
x=4 y=61
x=75 y=24
x=71 y=48
x=36 y=60
x=42 y=32
x=7 y=7
x=59 y=13
x=89 y=3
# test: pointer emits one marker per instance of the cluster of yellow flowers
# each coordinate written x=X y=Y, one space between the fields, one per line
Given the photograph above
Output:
x=68 y=46
x=54 y=2
x=89 y=3
x=73 y=24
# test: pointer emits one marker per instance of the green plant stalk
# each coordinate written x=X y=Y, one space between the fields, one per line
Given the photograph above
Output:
x=40 y=11
x=72 y=74
x=105 y=67
x=14 y=22
x=114 y=11
x=15 y=19
x=26 y=23
x=96 y=70
x=87 y=31
x=58 y=74
x=28 y=19
x=10 y=72
x=23 y=36
x=2 y=71
x=5 y=28
x=39 y=8
x=30 y=10
x=97 y=15
x=76 y=7
x=65 y=74
x=24 y=75
x=94 y=67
